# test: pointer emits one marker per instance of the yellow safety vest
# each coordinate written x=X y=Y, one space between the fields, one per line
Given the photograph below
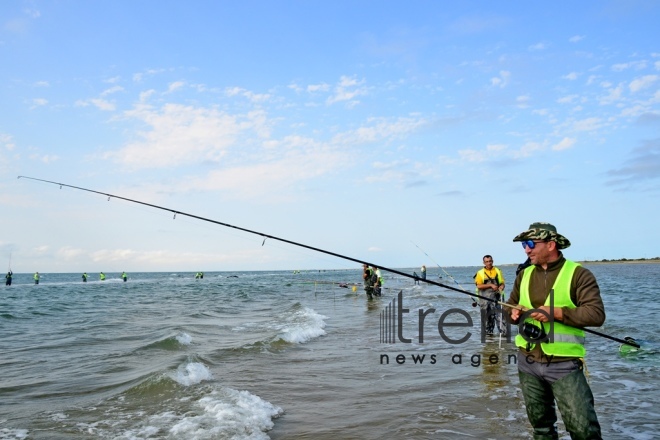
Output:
x=568 y=341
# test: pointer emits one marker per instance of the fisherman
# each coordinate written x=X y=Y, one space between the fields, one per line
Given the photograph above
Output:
x=368 y=277
x=378 y=284
x=490 y=288
x=423 y=272
x=36 y=278
x=84 y=277
x=552 y=370
x=124 y=276
x=8 y=278
x=102 y=276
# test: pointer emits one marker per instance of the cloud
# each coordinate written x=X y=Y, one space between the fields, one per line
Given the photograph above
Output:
x=380 y=129
x=576 y=38
x=564 y=144
x=179 y=134
x=502 y=80
x=537 y=47
x=642 y=83
x=588 y=124
x=172 y=87
x=39 y=102
x=571 y=76
x=99 y=103
x=642 y=167
x=347 y=90
x=637 y=65
x=45 y=158
x=112 y=90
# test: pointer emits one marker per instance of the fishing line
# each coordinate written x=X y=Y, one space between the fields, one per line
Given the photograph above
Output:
x=474 y=304
x=334 y=254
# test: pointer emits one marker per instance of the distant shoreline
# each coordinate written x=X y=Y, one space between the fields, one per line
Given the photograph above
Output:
x=624 y=261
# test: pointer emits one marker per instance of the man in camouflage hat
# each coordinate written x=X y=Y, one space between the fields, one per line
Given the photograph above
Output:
x=562 y=297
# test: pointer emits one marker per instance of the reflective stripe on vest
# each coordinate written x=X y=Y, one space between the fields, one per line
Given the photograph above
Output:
x=568 y=341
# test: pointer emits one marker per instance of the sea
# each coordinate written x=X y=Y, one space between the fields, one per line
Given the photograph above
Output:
x=296 y=355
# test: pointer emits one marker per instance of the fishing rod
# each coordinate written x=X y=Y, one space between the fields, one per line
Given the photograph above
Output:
x=474 y=303
x=312 y=248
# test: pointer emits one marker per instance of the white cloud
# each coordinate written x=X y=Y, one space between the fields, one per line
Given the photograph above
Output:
x=522 y=101
x=39 y=102
x=179 y=135
x=318 y=88
x=637 y=65
x=379 y=129
x=642 y=83
x=568 y=99
x=571 y=76
x=112 y=90
x=42 y=84
x=175 y=86
x=614 y=94
x=576 y=38
x=537 y=46
x=45 y=158
x=347 y=90
x=502 y=80
x=588 y=124
x=564 y=144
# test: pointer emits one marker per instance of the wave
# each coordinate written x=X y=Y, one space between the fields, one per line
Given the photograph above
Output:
x=302 y=326
x=170 y=343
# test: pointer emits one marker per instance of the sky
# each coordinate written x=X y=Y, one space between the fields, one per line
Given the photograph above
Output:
x=398 y=133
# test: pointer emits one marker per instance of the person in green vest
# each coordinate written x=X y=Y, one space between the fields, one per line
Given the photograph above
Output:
x=8 y=277
x=36 y=278
x=378 y=284
x=124 y=276
x=490 y=288
x=557 y=291
x=102 y=276
x=84 y=277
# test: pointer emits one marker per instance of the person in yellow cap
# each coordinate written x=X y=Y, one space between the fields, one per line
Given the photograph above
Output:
x=490 y=287
x=550 y=358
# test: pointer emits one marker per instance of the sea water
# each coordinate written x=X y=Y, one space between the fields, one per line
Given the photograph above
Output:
x=283 y=355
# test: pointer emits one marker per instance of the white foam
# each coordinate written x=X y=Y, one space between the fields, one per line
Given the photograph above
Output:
x=192 y=373
x=15 y=434
x=228 y=414
x=302 y=326
x=184 y=338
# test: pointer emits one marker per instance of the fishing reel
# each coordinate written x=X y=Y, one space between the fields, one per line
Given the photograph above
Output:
x=533 y=332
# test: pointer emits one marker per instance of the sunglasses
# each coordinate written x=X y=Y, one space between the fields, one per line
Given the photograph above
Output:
x=530 y=243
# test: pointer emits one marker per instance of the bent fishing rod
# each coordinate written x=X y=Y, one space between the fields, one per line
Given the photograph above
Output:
x=302 y=245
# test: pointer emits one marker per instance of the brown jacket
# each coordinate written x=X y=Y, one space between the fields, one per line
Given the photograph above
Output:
x=585 y=294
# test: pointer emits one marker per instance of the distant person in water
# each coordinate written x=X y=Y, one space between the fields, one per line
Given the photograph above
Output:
x=124 y=276
x=378 y=285
x=8 y=278
x=84 y=277
x=423 y=272
x=102 y=276
x=36 y=278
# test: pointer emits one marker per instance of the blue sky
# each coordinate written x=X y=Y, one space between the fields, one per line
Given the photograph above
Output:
x=370 y=129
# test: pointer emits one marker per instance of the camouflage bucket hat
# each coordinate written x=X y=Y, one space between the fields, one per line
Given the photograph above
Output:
x=543 y=231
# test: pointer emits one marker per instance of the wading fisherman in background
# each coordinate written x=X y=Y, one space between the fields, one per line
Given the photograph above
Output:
x=378 y=282
x=552 y=370
x=124 y=276
x=368 y=276
x=490 y=284
x=36 y=278
x=102 y=276
x=423 y=270
x=8 y=278
x=84 y=277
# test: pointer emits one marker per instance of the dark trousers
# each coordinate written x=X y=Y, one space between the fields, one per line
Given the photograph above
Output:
x=564 y=382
